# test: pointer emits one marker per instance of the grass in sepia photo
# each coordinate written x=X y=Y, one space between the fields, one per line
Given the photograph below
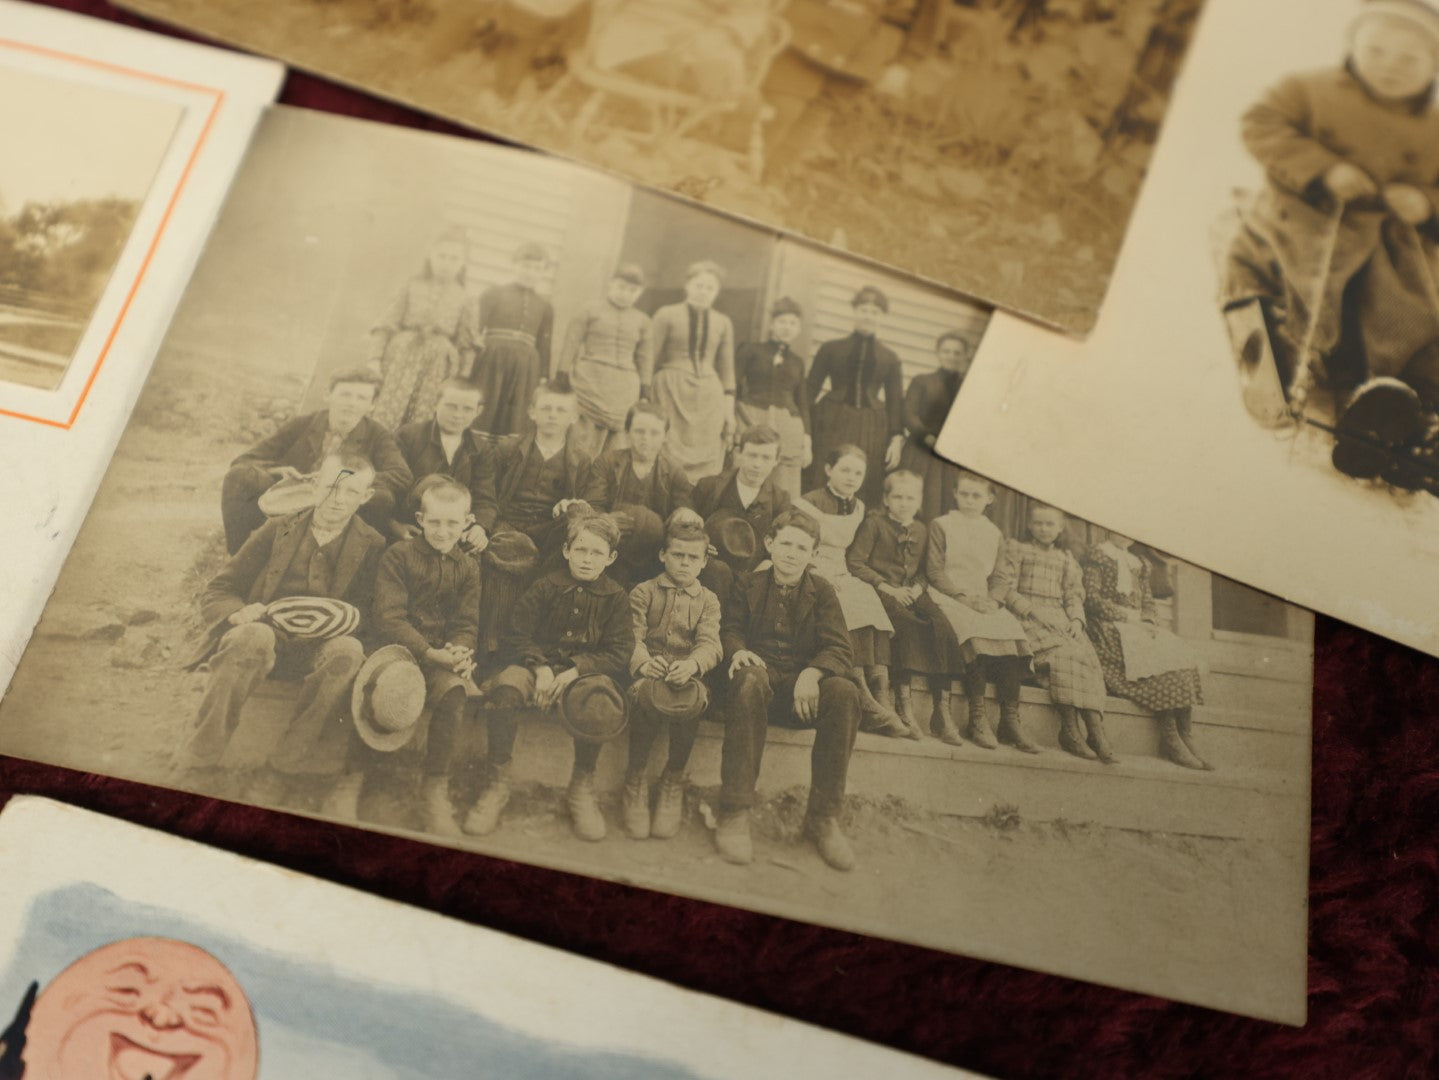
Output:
x=77 y=164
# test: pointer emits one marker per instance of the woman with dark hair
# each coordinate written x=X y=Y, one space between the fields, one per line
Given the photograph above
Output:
x=926 y=404
x=864 y=403
x=770 y=390
x=694 y=373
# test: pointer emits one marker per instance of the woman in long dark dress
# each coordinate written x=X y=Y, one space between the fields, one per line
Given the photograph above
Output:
x=515 y=324
x=926 y=404
x=864 y=403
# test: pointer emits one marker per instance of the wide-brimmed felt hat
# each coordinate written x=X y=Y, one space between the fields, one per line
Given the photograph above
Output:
x=290 y=496
x=511 y=552
x=593 y=709
x=670 y=702
x=732 y=536
x=640 y=527
x=316 y=618
x=388 y=698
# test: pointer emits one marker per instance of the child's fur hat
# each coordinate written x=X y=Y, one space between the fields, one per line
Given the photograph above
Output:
x=1423 y=14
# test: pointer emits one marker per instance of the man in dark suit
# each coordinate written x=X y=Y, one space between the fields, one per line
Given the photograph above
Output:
x=324 y=552
x=445 y=445
x=788 y=659
x=297 y=449
x=748 y=489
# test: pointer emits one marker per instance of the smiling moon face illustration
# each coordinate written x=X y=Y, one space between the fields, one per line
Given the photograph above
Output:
x=142 y=1009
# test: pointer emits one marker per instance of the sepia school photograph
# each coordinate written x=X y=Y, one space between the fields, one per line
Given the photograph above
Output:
x=484 y=498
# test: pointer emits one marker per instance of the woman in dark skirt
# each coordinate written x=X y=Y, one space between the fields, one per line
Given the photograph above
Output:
x=515 y=324
x=926 y=404
x=864 y=404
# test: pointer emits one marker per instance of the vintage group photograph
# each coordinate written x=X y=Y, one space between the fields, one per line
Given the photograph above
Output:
x=484 y=497
x=992 y=145
x=1281 y=372
x=78 y=163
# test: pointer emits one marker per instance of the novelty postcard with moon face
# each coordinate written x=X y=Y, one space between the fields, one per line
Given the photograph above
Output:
x=994 y=147
x=479 y=496
x=1262 y=377
x=134 y=955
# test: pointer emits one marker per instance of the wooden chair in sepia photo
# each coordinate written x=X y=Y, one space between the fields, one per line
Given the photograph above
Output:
x=605 y=75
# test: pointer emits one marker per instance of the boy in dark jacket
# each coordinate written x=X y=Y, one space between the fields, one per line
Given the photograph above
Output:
x=789 y=661
x=571 y=622
x=427 y=598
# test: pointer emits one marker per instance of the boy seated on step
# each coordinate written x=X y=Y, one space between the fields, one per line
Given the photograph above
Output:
x=427 y=598
x=573 y=622
x=677 y=642
x=789 y=660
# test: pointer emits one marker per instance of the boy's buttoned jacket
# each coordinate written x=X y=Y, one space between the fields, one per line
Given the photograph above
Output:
x=820 y=637
x=562 y=623
x=424 y=599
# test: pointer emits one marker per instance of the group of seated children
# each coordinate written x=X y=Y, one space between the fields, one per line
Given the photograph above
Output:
x=612 y=589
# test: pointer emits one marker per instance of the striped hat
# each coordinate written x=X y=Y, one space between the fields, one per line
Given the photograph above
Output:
x=314 y=617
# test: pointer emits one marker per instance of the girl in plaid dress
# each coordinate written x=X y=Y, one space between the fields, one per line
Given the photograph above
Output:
x=1042 y=584
x=1142 y=661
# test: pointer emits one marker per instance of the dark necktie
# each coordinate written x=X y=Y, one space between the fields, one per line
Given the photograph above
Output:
x=699 y=335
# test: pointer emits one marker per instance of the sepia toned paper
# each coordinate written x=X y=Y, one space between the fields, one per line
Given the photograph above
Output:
x=119 y=147
x=994 y=147
x=1105 y=872
x=1218 y=467
x=157 y=954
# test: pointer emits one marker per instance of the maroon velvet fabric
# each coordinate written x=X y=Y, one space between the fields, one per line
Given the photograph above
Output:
x=1374 y=892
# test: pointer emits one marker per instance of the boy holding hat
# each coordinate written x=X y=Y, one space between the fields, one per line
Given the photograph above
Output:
x=427 y=601
x=608 y=361
x=1346 y=218
x=641 y=486
x=571 y=627
x=748 y=490
x=299 y=447
x=324 y=552
x=677 y=642
x=788 y=661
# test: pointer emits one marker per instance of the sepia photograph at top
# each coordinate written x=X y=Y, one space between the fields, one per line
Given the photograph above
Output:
x=78 y=163
x=1271 y=340
x=484 y=497
x=992 y=146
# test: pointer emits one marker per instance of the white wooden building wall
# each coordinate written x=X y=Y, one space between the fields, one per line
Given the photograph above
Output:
x=504 y=201
x=918 y=312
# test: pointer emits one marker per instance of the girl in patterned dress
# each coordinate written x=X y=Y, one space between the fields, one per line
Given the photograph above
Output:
x=422 y=339
x=514 y=323
x=1041 y=583
x=964 y=549
x=839 y=512
x=1141 y=660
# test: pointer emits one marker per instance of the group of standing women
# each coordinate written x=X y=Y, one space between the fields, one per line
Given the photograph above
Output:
x=684 y=358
